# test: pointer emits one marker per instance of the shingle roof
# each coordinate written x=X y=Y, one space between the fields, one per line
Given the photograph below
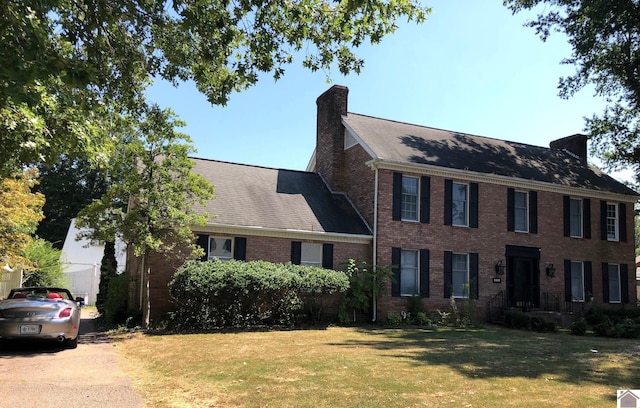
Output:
x=407 y=143
x=251 y=196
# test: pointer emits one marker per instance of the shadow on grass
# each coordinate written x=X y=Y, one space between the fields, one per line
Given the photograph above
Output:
x=494 y=352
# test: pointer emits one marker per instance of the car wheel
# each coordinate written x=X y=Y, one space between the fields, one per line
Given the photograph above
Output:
x=71 y=344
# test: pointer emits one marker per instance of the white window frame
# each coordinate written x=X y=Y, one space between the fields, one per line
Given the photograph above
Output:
x=522 y=211
x=410 y=202
x=613 y=229
x=216 y=253
x=462 y=292
x=409 y=271
x=576 y=220
x=311 y=254
x=465 y=205
x=614 y=272
x=577 y=281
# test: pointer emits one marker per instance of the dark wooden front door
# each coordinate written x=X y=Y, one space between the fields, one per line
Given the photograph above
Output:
x=523 y=282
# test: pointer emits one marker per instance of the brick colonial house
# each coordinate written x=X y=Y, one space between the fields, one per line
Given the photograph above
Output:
x=457 y=215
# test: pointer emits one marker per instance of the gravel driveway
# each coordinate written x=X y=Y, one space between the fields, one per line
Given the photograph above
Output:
x=42 y=375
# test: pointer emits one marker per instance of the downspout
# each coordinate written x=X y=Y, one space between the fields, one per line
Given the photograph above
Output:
x=375 y=244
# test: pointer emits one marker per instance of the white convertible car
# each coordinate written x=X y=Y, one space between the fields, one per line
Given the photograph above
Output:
x=45 y=313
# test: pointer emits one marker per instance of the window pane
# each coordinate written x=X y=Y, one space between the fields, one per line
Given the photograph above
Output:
x=311 y=254
x=409 y=273
x=219 y=248
x=577 y=282
x=459 y=204
x=614 y=283
x=612 y=222
x=576 y=218
x=460 y=275
x=521 y=211
x=409 y=198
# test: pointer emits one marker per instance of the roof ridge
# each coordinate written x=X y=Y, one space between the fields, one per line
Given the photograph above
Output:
x=247 y=165
x=511 y=142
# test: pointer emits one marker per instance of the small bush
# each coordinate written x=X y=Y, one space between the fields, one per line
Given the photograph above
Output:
x=394 y=319
x=579 y=327
x=115 y=305
x=421 y=319
x=525 y=321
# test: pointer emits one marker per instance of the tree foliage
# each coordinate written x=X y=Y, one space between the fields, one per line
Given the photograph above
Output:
x=45 y=266
x=70 y=71
x=20 y=212
x=69 y=185
x=605 y=37
x=151 y=208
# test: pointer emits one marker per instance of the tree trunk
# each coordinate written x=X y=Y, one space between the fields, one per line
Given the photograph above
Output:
x=145 y=303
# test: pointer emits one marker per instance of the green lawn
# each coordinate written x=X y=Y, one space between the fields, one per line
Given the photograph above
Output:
x=360 y=367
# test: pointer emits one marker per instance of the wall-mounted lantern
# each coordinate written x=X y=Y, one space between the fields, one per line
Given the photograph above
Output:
x=551 y=270
x=499 y=267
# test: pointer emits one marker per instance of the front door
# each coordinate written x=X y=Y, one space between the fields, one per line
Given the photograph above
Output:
x=523 y=282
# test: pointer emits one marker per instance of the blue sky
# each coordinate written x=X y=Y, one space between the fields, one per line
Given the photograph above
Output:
x=471 y=67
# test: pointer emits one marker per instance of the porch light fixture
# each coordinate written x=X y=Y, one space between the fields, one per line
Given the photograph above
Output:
x=551 y=270
x=499 y=267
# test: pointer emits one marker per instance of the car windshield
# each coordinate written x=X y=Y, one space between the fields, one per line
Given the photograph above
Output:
x=41 y=294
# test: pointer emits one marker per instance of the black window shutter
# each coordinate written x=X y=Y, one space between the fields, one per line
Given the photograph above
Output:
x=511 y=214
x=424 y=273
x=533 y=212
x=448 y=273
x=588 y=279
x=566 y=215
x=203 y=242
x=395 y=269
x=605 y=282
x=240 y=249
x=567 y=280
x=327 y=256
x=622 y=220
x=397 y=197
x=624 y=283
x=473 y=205
x=474 y=274
x=586 y=218
x=603 y=220
x=296 y=252
x=425 y=198
x=448 y=202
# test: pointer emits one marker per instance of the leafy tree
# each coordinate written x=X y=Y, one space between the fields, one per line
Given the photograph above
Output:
x=45 y=266
x=152 y=207
x=20 y=212
x=71 y=71
x=68 y=185
x=605 y=36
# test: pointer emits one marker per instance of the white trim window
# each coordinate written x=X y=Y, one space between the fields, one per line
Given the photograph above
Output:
x=577 y=282
x=460 y=275
x=521 y=211
x=410 y=190
x=615 y=295
x=409 y=273
x=612 y=222
x=220 y=248
x=460 y=204
x=575 y=217
x=311 y=254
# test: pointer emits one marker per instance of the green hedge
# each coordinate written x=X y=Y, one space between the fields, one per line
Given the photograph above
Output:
x=620 y=323
x=235 y=293
x=526 y=321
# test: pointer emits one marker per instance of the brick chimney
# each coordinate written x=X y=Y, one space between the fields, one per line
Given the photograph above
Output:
x=332 y=105
x=575 y=144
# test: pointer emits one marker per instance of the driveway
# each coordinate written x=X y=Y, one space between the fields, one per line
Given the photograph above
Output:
x=42 y=375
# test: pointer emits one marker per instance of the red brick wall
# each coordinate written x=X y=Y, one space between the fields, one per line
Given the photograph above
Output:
x=489 y=241
x=277 y=250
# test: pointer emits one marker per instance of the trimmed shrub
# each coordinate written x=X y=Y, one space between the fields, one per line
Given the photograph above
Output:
x=115 y=305
x=526 y=321
x=238 y=294
x=579 y=327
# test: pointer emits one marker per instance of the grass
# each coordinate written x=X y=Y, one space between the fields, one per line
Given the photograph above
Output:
x=373 y=367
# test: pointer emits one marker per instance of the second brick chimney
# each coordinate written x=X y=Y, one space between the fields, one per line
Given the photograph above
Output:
x=332 y=106
x=575 y=144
